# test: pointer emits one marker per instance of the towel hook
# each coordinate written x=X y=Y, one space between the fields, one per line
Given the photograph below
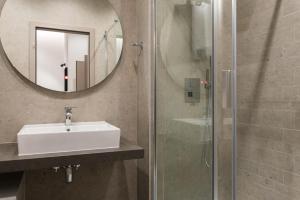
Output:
x=139 y=45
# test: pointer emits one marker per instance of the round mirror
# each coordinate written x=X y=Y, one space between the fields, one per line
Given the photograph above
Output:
x=62 y=45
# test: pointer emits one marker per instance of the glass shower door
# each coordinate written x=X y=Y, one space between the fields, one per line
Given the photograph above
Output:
x=195 y=100
x=184 y=148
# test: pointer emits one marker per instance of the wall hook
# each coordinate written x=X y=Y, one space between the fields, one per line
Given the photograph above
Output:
x=139 y=45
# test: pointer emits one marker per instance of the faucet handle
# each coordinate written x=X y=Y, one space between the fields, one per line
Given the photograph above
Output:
x=77 y=167
x=56 y=169
x=69 y=108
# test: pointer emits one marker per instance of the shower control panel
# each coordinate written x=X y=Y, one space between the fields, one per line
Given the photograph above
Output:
x=192 y=90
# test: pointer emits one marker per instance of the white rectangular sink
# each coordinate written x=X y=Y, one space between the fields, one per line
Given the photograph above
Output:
x=54 y=138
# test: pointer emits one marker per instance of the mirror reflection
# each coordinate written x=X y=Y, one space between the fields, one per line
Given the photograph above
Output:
x=62 y=61
x=62 y=45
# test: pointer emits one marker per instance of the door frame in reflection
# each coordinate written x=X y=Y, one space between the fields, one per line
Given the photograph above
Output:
x=34 y=26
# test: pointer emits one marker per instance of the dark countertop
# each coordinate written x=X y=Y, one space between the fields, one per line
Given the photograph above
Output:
x=11 y=162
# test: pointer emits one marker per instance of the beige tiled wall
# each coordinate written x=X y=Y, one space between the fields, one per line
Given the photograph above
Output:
x=268 y=99
x=114 y=100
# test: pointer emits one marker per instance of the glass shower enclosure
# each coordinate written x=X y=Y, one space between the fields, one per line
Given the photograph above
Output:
x=194 y=94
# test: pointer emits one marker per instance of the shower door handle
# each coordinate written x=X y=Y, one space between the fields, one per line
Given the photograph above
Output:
x=226 y=88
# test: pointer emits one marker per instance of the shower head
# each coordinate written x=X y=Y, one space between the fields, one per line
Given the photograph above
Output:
x=110 y=28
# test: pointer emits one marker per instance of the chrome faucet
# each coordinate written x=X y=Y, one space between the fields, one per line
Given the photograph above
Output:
x=68 y=116
x=68 y=171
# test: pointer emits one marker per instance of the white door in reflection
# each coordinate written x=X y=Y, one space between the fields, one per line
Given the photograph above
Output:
x=59 y=55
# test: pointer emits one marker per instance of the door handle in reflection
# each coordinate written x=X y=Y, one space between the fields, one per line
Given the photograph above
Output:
x=226 y=90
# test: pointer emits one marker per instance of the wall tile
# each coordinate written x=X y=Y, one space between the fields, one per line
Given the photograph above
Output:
x=268 y=99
